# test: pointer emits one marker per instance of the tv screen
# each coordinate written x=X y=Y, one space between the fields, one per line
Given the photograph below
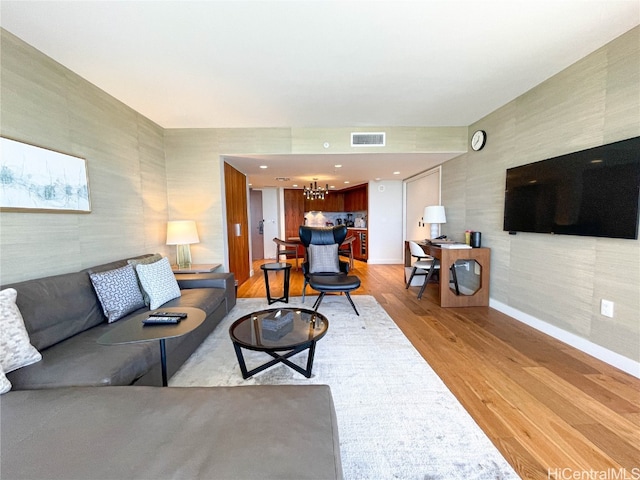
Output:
x=594 y=192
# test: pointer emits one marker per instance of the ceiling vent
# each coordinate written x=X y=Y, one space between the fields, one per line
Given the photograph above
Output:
x=283 y=179
x=361 y=139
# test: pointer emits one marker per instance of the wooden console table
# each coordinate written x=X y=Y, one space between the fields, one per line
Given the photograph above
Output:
x=447 y=257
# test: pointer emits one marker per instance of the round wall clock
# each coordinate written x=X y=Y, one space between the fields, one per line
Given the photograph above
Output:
x=478 y=140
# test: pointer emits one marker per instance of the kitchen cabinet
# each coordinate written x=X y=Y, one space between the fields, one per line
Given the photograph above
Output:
x=333 y=202
x=356 y=199
x=293 y=212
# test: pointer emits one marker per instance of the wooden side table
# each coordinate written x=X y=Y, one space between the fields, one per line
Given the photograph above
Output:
x=276 y=267
x=197 y=268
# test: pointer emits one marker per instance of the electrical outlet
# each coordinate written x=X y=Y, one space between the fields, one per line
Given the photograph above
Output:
x=606 y=308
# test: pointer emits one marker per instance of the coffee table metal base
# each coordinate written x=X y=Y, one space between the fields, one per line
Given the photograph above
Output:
x=277 y=358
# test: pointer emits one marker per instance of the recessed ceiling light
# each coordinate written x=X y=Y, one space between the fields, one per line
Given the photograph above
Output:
x=263 y=166
x=377 y=179
x=346 y=181
x=338 y=166
x=295 y=184
x=396 y=173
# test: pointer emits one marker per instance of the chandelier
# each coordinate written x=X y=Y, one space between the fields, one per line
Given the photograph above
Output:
x=314 y=192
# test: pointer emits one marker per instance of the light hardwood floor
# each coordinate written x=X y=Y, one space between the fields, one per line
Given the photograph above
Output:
x=553 y=411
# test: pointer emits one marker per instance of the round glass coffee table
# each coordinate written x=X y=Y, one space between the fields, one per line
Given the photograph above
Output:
x=281 y=333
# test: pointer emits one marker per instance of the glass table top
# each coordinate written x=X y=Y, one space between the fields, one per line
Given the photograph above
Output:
x=278 y=329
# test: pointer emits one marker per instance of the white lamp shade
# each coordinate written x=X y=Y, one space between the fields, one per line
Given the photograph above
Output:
x=182 y=232
x=434 y=214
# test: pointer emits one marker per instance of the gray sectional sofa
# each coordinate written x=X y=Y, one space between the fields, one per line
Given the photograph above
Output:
x=95 y=411
x=254 y=432
x=64 y=318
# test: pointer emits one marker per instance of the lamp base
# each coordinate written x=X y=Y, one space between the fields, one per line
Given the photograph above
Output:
x=435 y=230
x=183 y=257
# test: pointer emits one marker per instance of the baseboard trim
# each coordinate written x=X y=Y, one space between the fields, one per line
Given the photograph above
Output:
x=385 y=261
x=612 y=358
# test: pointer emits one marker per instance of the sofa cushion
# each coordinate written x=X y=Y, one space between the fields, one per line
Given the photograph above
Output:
x=134 y=262
x=159 y=282
x=16 y=350
x=323 y=259
x=81 y=361
x=207 y=299
x=57 y=307
x=118 y=292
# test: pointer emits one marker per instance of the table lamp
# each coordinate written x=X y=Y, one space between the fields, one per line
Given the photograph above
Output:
x=434 y=215
x=182 y=233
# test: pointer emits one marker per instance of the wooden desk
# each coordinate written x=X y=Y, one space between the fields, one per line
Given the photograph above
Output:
x=447 y=256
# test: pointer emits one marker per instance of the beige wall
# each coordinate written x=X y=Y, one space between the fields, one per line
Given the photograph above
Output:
x=47 y=105
x=557 y=279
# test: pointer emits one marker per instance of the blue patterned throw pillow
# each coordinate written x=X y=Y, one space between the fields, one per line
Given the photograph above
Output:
x=118 y=292
x=158 y=281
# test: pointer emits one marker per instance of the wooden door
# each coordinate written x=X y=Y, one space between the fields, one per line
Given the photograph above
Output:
x=237 y=223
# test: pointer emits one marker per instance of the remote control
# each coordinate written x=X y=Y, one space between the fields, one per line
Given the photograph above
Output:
x=169 y=314
x=161 y=320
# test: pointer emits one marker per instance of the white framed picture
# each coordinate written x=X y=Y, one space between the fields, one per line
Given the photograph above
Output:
x=35 y=179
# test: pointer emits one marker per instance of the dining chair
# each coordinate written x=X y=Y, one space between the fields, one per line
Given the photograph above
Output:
x=285 y=248
x=423 y=263
x=346 y=249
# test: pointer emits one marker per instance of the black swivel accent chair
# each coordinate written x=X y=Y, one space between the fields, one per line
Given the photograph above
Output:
x=323 y=270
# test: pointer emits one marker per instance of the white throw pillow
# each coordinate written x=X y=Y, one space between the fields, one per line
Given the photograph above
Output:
x=324 y=259
x=158 y=281
x=16 y=350
x=5 y=384
x=118 y=292
x=134 y=262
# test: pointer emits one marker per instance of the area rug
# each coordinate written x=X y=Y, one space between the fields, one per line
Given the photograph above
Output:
x=396 y=418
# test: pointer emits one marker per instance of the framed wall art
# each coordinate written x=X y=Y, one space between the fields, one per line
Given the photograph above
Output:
x=35 y=179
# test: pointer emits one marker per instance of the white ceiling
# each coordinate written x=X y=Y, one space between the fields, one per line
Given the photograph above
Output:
x=318 y=63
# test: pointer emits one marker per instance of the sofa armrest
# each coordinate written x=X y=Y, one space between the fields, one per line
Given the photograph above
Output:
x=205 y=280
x=225 y=281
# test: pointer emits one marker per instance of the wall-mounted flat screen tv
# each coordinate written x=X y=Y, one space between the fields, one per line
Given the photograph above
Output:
x=594 y=192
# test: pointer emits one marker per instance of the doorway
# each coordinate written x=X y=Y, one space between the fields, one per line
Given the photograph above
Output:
x=257 y=225
x=421 y=191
